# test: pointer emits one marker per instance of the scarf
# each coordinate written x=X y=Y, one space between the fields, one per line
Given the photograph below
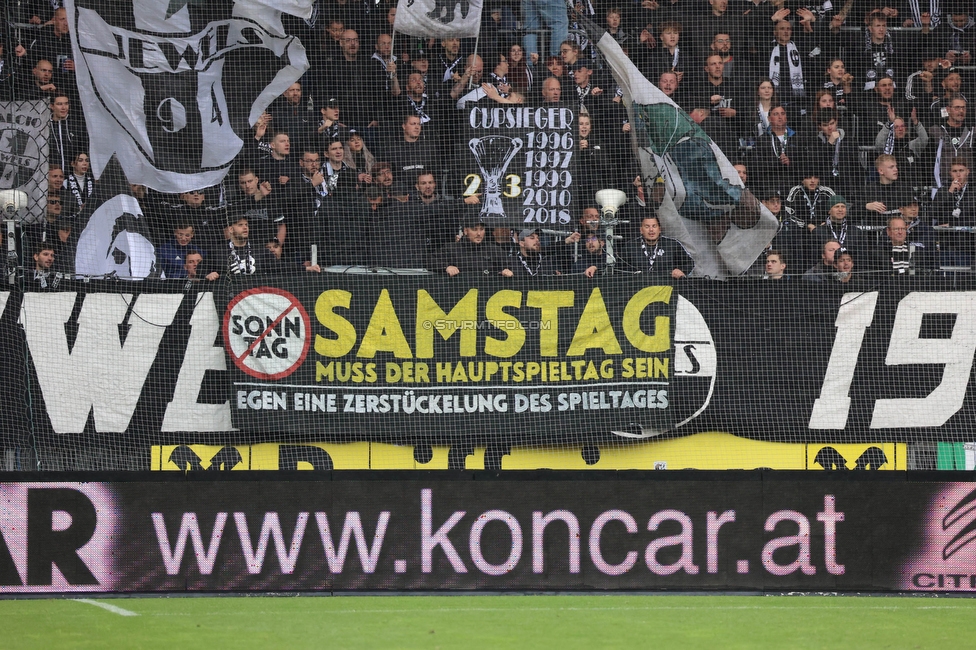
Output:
x=837 y=90
x=901 y=258
x=320 y=189
x=959 y=196
x=811 y=205
x=62 y=140
x=497 y=81
x=582 y=93
x=419 y=108
x=780 y=146
x=384 y=62
x=525 y=264
x=796 y=71
x=835 y=163
x=955 y=36
x=652 y=254
x=577 y=31
x=763 y=125
x=675 y=57
x=449 y=68
x=910 y=88
x=915 y=7
x=966 y=142
x=332 y=176
x=880 y=60
x=889 y=146
x=839 y=236
x=41 y=278
x=821 y=10
x=241 y=265
x=81 y=191
x=330 y=132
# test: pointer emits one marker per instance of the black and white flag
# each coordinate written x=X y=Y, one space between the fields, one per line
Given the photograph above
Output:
x=110 y=234
x=23 y=153
x=173 y=87
x=439 y=18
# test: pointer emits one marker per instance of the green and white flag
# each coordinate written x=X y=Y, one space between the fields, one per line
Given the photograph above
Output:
x=705 y=207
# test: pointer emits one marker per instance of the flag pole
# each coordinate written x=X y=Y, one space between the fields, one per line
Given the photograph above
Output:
x=477 y=40
x=393 y=56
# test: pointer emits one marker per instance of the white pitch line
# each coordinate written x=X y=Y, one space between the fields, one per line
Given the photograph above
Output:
x=105 y=606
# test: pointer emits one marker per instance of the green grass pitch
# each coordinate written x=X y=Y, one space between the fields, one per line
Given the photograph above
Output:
x=562 y=622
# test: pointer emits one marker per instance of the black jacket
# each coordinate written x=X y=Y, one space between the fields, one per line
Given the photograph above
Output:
x=532 y=265
x=659 y=260
x=483 y=258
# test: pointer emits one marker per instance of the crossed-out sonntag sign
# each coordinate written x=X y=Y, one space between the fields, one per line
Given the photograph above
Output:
x=266 y=331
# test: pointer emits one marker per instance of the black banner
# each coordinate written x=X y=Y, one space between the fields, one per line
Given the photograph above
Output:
x=756 y=531
x=888 y=362
x=520 y=159
x=96 y=373
x=435 y=359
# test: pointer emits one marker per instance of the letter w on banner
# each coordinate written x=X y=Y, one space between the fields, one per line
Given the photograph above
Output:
x=23 y=153
x=439 y=18
x=173 y=87
x=705 y=206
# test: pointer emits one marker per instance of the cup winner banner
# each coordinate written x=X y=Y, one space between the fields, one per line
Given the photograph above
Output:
x=520 y=160
x=473 y=358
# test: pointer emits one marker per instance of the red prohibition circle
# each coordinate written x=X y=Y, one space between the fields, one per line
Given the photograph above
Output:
x=239 y=361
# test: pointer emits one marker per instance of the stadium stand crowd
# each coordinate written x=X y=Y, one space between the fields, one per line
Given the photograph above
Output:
x=848 y=120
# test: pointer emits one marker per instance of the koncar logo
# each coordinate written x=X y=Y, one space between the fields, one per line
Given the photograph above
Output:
x=57 y=537
x=947 y=559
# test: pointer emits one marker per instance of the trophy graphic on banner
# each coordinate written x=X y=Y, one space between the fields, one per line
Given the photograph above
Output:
x=493 y=153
